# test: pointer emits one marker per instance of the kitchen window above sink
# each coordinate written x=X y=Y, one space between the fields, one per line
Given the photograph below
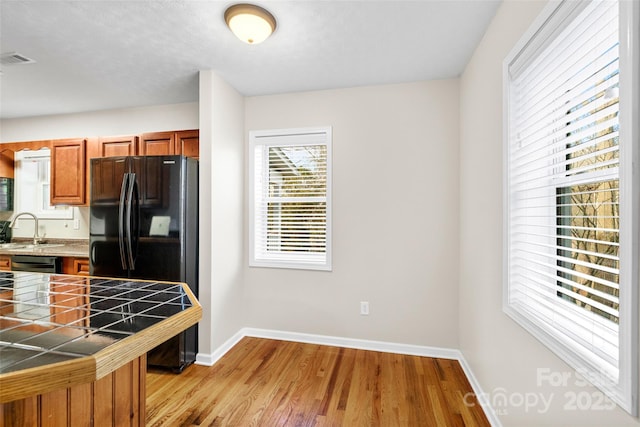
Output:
x=33 y=177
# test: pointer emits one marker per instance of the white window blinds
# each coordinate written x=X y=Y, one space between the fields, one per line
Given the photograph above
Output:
x=290 y=205
x=563 y=249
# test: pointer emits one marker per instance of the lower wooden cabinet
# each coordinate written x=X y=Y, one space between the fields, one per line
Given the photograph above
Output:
x=5 y=262
x=6 y=307
x=117 y=399
x=76 y=266
x=70 y=265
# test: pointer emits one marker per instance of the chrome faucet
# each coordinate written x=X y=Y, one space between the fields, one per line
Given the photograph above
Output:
x=36 y=238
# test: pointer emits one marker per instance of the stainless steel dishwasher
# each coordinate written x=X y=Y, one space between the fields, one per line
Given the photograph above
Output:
x=39 y=264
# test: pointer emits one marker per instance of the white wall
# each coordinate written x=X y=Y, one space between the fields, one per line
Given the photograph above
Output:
x=504 y=357
x=124 y=121
x=99 y=123
x=395 y=213
x=221 y=207
x=52 y=228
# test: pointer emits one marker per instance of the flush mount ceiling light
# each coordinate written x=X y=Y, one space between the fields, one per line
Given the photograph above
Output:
x=250 y=23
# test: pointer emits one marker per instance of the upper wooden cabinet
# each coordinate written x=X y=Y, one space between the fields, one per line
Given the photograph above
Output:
x=185 y=142
x=168 y=143
x=188 y=143
x=117 y=146
x=68 y=178
x=157 y=144
x=7 y=157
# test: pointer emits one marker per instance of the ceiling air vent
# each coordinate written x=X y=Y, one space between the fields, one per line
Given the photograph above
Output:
x=13 y=58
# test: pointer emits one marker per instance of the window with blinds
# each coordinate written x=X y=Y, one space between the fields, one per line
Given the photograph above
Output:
x=290 y=203
x=564 y=154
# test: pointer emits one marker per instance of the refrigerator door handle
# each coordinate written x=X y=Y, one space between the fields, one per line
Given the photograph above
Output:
x=135 y=235
x=129 y=239
x=123 y=192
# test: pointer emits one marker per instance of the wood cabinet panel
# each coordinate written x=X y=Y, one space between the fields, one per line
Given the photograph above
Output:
x=188 y=143
x=157 y=144
x=82 y=396
x=5 y=262
x=75 y=266
x=81 y=266
x=117 y=146
x=68 y=164
x=6 y=307
x=103 y=401
x=185 y=142
x=50 y=413
x=7 y=157
x=122 y=395
x=117 y=399
x=22 y=412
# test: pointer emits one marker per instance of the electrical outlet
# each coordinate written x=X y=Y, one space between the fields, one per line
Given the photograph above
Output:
x=364 y=308
x=76 y=224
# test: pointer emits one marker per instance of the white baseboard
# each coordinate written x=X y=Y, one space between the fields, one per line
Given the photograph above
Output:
x=477 y=390
x=210 y=359
x=386 y=347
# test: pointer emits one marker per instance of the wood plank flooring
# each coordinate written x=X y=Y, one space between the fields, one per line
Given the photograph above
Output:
x=262 y=382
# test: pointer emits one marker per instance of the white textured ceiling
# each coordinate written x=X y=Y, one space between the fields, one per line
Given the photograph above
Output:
x=102 y=54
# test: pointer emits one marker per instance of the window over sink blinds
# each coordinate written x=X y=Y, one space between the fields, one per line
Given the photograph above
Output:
x=290 y=202
x=567 y=202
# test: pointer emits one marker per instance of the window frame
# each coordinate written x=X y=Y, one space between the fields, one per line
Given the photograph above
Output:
x=625 y=390
x=267 y=138
x=41 y=188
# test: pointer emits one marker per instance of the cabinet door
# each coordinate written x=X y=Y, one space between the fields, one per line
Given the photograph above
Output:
x=5 y=262
x=117 y=146
x=6 y=306
x=157 y=144
x=75 y=266
x=6 y=163
x=188 y=143
x=68 y=165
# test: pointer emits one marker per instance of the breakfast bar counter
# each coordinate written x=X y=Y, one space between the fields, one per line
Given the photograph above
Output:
x=74 y=347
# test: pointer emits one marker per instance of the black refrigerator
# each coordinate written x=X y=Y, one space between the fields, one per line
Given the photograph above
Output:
x=144 y=225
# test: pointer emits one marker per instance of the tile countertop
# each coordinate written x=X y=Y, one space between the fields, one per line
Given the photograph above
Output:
x=64 y=248
x=60 y=330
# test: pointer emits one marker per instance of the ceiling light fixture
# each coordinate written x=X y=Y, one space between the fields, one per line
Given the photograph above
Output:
x=250 y=23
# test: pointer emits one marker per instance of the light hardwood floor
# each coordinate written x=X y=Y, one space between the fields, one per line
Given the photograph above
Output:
x=262 y=382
